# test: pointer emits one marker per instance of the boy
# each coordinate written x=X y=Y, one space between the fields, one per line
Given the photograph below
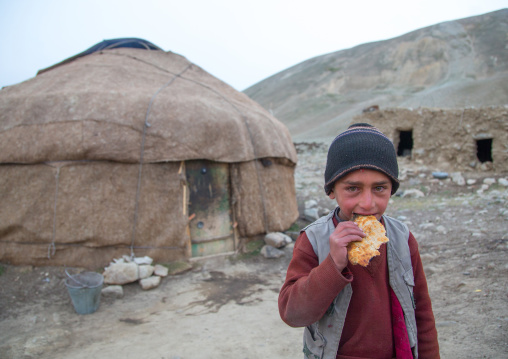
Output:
x=349 y=311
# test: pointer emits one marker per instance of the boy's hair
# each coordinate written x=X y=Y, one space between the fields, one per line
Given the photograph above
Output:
x=361 y=146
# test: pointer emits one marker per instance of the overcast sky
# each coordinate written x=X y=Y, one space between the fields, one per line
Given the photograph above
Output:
x=239 y=41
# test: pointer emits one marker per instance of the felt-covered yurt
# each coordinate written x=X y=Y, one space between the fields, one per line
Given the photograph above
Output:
x=128 y=149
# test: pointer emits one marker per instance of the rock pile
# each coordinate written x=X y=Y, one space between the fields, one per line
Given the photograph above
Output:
x=128 y=270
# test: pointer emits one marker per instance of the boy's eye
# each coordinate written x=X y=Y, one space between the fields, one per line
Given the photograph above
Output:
x=352 y=189
x=380 y=188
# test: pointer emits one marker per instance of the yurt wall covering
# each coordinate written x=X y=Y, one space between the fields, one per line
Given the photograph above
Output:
x=102 y=155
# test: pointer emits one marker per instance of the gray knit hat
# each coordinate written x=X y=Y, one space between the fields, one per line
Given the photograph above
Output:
x=361 y=146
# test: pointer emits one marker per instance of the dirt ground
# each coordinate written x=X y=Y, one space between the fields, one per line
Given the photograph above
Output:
x=226 y=307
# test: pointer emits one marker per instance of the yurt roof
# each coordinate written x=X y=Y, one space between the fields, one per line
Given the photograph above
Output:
x=130 y=104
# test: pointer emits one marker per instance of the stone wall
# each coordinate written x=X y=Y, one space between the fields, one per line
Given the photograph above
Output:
x=470 y=139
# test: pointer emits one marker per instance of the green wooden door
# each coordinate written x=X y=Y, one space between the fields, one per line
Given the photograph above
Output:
x=211 y=230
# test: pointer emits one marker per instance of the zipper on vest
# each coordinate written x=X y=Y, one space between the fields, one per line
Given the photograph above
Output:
x=412 y=300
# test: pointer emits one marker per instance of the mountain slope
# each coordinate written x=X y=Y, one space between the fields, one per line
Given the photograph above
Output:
x=459 y=63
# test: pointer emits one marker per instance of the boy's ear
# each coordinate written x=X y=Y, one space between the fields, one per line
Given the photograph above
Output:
x=331 y=195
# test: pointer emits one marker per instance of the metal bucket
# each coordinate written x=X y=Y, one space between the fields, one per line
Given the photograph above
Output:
x=85 y=291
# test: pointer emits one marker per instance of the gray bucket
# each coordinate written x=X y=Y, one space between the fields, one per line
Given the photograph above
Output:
x=85 y=291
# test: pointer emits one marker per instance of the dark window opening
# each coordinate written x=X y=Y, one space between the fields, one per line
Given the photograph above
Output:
x=405 y=143
x=484 y=150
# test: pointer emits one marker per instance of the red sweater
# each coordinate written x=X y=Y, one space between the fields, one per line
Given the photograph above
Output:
x=310 y=288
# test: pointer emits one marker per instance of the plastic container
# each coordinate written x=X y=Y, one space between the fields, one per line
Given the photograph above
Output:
x=85 y=291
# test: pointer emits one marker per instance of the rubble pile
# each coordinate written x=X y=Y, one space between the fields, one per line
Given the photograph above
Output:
x=127 y=270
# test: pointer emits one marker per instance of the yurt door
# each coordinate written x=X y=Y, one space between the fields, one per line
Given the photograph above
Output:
x=211 y=230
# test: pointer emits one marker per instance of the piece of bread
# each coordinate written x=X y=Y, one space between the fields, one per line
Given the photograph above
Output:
x=361 y=252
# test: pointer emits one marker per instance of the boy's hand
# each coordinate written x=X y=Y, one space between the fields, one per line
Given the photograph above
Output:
x=344 y=233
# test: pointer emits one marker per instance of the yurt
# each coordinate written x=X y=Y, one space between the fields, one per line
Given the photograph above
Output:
x=126 y=149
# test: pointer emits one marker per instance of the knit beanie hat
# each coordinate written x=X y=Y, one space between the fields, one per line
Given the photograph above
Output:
x=361 y=146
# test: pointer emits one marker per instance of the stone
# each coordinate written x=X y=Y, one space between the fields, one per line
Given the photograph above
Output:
x=160 y=270
x=441 y=229
x=112 y=291
x=413 y=193
x=440 y=175
x=150 y=282
x=489 y=181
x=290 y=245
x=311 y=214
x=143 y=260
x=121 y=273
x=277 y=239
x=310 y=203
x=271 y=252
x=145 y=271
x=471 y=182
x=486 y=166
x=503 y=182
x=458 y=179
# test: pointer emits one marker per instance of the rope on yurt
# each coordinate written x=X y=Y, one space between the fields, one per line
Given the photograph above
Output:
x=51 y=247
x=146 y=125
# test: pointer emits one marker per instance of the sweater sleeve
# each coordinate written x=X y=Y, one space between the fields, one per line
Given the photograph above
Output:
x=428 y=346
x=310 y=287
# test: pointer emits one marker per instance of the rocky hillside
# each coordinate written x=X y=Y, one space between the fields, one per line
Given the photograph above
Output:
x=455 y=64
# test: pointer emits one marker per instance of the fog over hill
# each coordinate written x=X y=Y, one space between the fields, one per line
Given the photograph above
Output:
x=454 y=64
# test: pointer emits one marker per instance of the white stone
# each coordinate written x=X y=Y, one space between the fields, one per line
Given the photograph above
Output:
x=311 y=214
x=121 y=273
x=145 y=271
x=160 y=270
x=503 y=182
x=441 y=229
x=277 y=239
x=489 y=181
x=458 y=179
x=290 y=245
x=471 y=181
x=310 y=203
x=413 y=193
x=143 y=260
x=113 y=291
x=150 y=282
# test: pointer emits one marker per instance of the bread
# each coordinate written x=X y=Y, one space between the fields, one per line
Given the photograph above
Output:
x=361 y=252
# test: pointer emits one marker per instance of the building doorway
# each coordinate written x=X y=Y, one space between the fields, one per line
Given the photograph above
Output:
x=484 y=150
x=405 y=146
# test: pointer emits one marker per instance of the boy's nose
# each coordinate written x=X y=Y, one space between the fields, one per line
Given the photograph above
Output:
x=366 y=201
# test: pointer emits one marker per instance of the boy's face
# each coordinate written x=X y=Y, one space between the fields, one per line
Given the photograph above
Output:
x=364 y=192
